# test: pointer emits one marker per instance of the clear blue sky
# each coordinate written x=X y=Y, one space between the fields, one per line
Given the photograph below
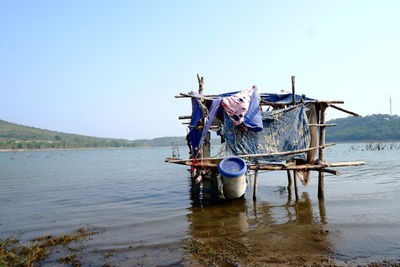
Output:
x=112 y=68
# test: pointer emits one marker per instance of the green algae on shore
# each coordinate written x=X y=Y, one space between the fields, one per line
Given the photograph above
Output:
x=13 y=253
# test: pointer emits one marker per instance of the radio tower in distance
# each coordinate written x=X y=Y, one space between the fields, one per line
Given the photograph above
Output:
x=390 y=101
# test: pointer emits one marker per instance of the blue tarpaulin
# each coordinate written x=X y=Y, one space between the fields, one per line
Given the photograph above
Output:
x=248 y=141
x=284 y=130
x=284 y=98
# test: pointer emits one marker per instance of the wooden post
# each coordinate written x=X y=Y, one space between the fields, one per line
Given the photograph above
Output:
x=296 y=190
x=321 y=151
x=206 y=148
x=200 y=79
x=255 y=185
x=293 y=91
x=207 y=145
x=344 y=110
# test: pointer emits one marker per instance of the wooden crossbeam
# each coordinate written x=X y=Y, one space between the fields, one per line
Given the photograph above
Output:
x=184 y=117
x=275 y=167
x=343 y=110
x=284 y=153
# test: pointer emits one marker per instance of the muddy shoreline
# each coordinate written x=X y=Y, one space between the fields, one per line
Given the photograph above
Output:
x=232 y=251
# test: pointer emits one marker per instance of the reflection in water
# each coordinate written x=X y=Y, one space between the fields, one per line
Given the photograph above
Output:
x=253 y=233
x=322 y=210
x=225 y=218
x=304 y=212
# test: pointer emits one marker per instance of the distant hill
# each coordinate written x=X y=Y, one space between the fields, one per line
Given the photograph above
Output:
x=161 y=141
x=377 y=127
x=15 y=136
x=167 y=141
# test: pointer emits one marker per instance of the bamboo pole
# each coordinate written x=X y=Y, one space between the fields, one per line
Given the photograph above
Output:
x=330 y=103
x=212 y=127
x=185 y=95
x=343 y=110
x=308 y=166
x=325 y=101
x=272 y=167
x=212 y=97
x=184 y=117
x=321 y=152
x=269 y=103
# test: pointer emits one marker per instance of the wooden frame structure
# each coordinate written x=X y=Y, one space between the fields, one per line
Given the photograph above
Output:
x=205 y=161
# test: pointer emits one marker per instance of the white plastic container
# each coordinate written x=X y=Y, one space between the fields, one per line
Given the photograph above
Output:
x=233 y=171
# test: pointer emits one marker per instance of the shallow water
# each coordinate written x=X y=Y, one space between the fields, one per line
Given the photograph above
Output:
x=143 y=209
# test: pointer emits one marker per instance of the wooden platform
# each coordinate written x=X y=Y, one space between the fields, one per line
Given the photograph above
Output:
x=206 y=162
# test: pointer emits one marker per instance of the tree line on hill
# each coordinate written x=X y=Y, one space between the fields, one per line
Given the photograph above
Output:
x=377 y=127
x=15 y=136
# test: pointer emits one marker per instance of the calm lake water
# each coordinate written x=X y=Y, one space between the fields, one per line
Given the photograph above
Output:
x=143 y=210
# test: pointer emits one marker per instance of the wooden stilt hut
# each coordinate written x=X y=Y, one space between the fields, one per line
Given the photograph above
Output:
x=283 y=131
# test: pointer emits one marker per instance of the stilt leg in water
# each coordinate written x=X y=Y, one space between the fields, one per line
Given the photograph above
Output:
x=321 y=185
x=255 y=208
x=255 y=185
x=296 y=191
x=289 y=187
x=194 y=189
x=322 y=210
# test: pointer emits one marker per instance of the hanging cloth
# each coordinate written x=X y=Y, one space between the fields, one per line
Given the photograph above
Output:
x=236 y=105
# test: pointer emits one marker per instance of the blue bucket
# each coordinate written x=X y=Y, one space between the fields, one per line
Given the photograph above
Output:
x=232 y=167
